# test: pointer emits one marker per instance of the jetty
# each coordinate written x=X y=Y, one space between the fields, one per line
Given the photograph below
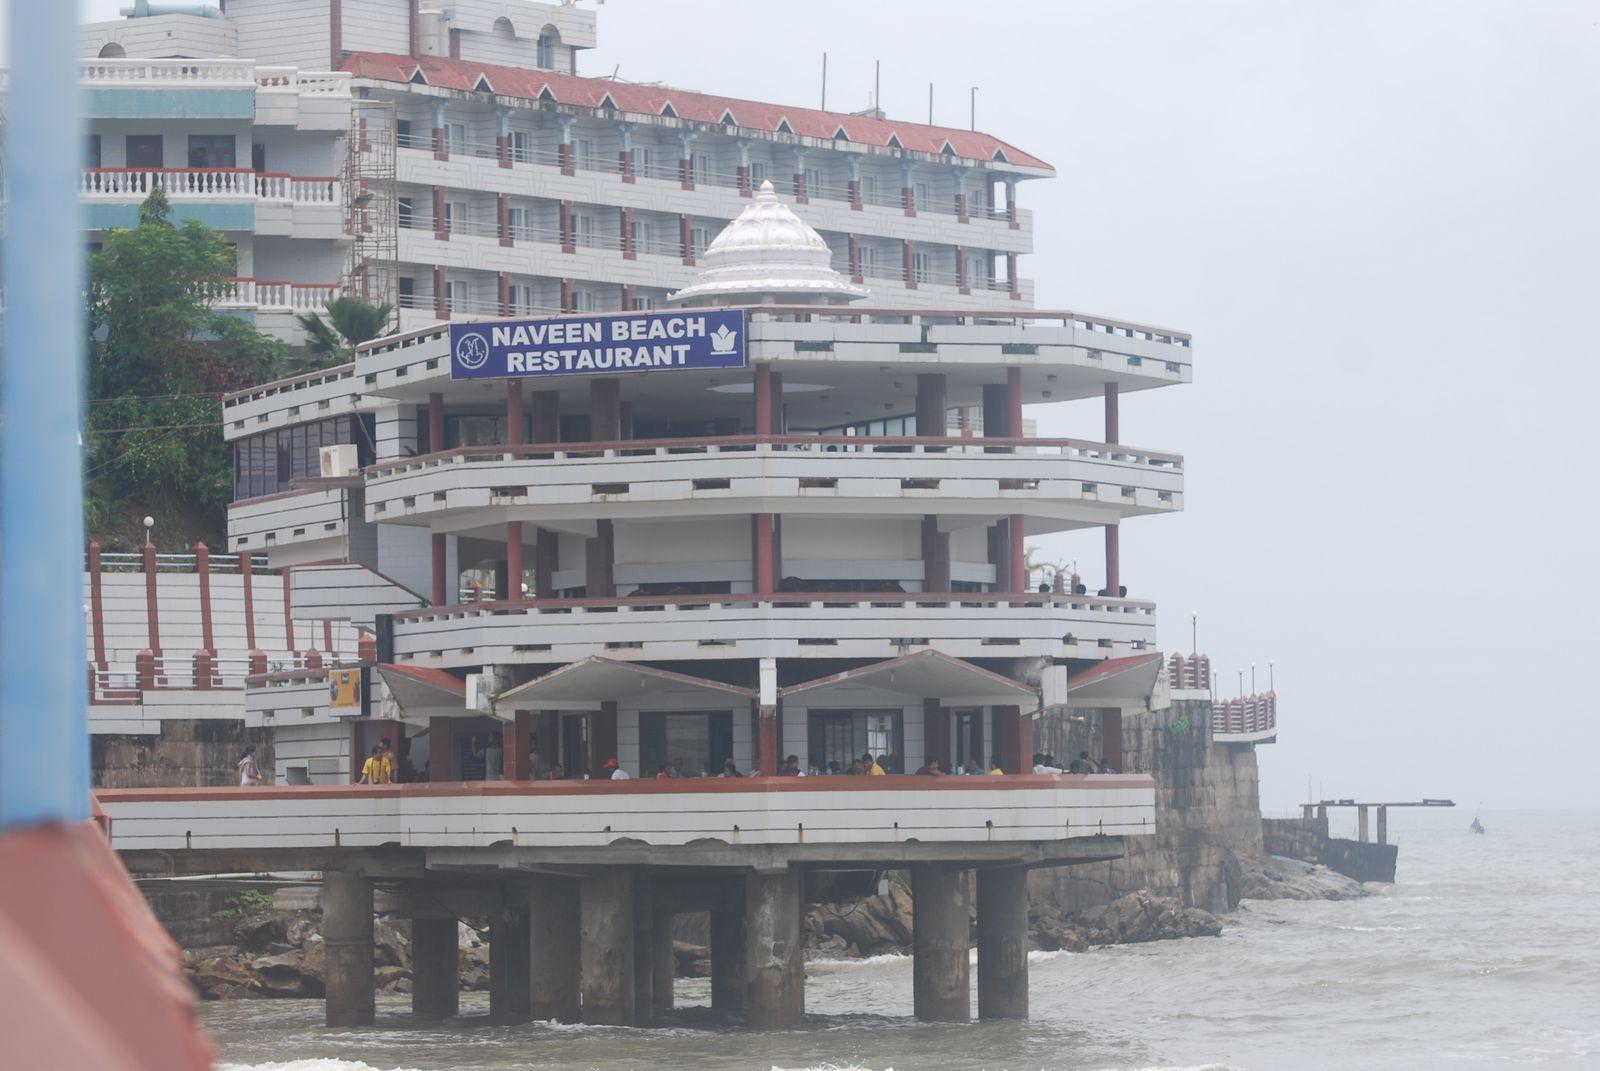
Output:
x=1363 y=859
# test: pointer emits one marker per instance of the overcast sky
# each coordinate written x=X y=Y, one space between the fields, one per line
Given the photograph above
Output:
x=1379 y=219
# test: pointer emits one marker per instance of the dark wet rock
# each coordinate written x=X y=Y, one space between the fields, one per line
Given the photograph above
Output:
x=1275 y=877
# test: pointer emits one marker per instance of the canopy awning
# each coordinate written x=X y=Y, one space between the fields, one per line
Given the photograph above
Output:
x=423 y=693
x=598 y=680
x=926 y=675
x=1116 y=682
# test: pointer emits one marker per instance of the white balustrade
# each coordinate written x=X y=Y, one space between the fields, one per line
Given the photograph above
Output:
x=167 y=71
x=178 y=183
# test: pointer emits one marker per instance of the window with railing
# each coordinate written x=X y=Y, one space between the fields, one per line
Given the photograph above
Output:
x=457 y=295
x=758 y=172
x=455 y=138
x=211 y=150
x=521 y=146
x=520 y=298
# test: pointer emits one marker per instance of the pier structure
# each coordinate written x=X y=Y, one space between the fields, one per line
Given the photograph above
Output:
x=580 y=880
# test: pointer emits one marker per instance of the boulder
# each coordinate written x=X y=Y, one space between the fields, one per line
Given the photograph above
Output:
x=391 y=948
x=224 y=978
x=259 y=931
x=1274 y=877
x=874 y=924
x=693 y=961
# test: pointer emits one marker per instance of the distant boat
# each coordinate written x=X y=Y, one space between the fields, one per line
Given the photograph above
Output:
x=1477 y=826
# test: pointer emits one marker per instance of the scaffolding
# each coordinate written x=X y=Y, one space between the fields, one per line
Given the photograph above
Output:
x=371 y=204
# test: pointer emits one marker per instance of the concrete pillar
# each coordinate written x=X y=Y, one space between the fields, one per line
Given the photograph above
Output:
x=510 y=966
x=1013 y=740
x=644 y=950
x=606 y=947
x=1017 y=554
x=1113 y=428
x=546 y=416
x=435 y=964
x=605 y=411
x=763 y=399
x=935 y=555
x=930 y=405
x=727 y=953
x=941 y=983
x=663 y=961
x=767 y=741
x=599 y=558
x=546 y=551
x=936 y=732
x=516 y=735
x=602 y=737
x=1361 y=824
x=762 y=563
x=441 y=766
x=1003 y=943
x=1113 y=561
x=347 y=940
x=772 y=971
x=1383 y=825
x=513 y=581
x=554 y=924
x=442 y=595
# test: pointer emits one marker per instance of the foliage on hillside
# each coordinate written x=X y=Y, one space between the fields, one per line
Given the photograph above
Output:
x=160 y=358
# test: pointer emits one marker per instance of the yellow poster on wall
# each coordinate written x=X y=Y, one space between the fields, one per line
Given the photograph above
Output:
x=344 y=689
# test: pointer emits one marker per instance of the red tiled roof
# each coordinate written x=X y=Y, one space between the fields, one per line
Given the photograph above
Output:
x=686 y=104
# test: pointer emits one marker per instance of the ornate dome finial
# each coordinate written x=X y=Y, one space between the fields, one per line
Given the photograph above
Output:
x=768 y=253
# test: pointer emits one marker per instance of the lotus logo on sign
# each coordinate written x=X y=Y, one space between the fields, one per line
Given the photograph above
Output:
x=588 y=345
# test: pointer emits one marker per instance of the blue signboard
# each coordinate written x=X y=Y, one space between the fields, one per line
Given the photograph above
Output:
x=598 y=345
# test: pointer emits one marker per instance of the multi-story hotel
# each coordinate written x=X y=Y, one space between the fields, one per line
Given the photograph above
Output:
x=701 y=442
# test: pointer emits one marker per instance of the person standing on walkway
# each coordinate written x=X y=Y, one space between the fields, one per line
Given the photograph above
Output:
x=249 y=775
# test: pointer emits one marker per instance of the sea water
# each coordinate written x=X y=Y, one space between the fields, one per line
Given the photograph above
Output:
x=1486 y=951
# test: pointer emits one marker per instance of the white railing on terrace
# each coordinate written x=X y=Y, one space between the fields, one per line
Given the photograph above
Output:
x=1245 y=715
x=133 y=562
x=275 y=294
x=182 y=183
x=309 y=83
x=144 y=72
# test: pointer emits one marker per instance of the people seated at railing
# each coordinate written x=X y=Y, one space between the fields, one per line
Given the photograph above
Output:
x=870 y=766
x=972 y=767
x=1045 y=764
x=729 y=769
x=930 y=768
x=612 y=772
x=557 y=772
x=791 y=766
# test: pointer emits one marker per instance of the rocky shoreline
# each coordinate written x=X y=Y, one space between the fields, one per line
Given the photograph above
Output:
x=280 y=953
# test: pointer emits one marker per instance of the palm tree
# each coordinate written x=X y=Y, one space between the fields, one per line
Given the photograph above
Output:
x=350 y=322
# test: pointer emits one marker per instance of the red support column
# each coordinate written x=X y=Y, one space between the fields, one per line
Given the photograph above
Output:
x=742 y=178
x=97 y=611
x=568 y=239
x=514 y=421
x=1112 y=424
x=626 y=228
x=441 y=756
x=502 y=150
x=1113 y=561
x=855 y=195
x=152 y=616
x=800 y=188
x=961 y=208
x=627 y=297
x=503 y=296
x=762 y=558
x=546 y=549
x=566 y=295
x=205 y=658
x=961 y=271
x=414 y=28
x=686 y=173
x=440 y=231
x=767 y=741
x=366 y=648
x=327 y=635
x=1011 y=206
x=435 y=423
x=515 y=736
x=763 y=399
x=936 y=733
x=503 y=209
x=440 y=559
x=441 y=148
x=1013 y=740
x=908 y=263
x=855 y=258
x=258 y=658
x=602 y=738
x=908 y=200
x=686 y=238
x=625 y=165
x=1012 y=283
x=441 y=305
x=1016 y=557
x=288 y=619
x=514 y=561
x=564 y=157
x=335 y=34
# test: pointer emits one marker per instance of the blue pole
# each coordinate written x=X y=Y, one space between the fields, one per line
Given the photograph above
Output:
x=44 y=730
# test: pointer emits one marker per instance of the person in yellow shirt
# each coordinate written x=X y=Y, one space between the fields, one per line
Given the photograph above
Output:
x=870 y=765
x=372 y=769
x=387 y=756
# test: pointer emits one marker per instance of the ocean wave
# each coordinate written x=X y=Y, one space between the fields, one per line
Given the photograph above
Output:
x=864 y=961
x=310 y=1065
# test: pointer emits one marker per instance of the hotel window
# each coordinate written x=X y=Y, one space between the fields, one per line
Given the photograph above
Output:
x=519 y=296
x=869 y=261
x=919 y=190
x=408 y=292
x=920 y=267
x=978 y=270
x=583 y=229
x=521 y=144
x=643 y=302
x=455 y=217
x=211 y=150
x=264 y=464
x=583 y=301
x=643 y=239
x=814 y=182
x=545 y=52
x=699 y=238
x=143 y=151
x=700 y=167
x=643 y=160
x=869 y=189
x=758 y=172
x=456 y=295
x=843 y=735
x=518 y=223
x=405 y=212
x=583 y=154
x=91 y=153
x=455 y=138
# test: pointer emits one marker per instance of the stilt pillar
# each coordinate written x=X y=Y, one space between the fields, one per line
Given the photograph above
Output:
x=606 y=947
x=727 y=952
x=644 y=951
x=1003 y=943
x=435 y=965
x=1361 y=824
x=554 y=922
x=347 y=940
x=663 y=961
x=773 y=964
x=510 y=967
x=1383 y=825
x=941 y=982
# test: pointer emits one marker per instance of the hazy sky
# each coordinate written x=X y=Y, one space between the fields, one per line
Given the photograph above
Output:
x=1380 y=221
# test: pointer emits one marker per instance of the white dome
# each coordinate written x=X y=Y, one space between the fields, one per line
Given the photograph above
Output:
x=769 y=251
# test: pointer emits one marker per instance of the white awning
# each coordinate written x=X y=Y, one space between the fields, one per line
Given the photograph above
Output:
x=927 y=675
x=599 y=680
x=1116 y=682
x=423 y=693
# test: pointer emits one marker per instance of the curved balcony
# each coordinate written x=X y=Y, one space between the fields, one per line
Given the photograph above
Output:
x=1072 y=481
x=784 y=625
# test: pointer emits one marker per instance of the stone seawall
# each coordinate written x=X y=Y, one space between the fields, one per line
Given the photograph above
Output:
x=1208 y=819
x=187 y=753
x=1308 y=840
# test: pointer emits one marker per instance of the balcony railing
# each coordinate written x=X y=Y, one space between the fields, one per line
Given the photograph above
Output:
x=1245 y=718
x=208 y=183
x=188 y=72
x=275 y=295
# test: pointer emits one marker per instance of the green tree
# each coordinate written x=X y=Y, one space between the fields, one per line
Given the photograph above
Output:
x=350 y=322
x=160 y=358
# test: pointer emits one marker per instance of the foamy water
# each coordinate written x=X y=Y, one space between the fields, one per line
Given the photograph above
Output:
x=1486 y=952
